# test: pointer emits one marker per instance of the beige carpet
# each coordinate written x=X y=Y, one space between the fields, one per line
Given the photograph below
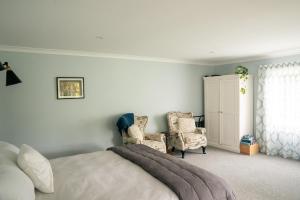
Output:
x=258 y=177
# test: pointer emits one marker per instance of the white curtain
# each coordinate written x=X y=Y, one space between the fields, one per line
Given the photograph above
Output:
x=278 y=110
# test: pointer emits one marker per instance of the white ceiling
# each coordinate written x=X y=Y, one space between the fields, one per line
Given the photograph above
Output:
x=195 y=31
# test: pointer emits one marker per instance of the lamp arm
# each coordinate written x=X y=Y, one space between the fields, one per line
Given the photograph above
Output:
x=4 y=66
x=7 y=67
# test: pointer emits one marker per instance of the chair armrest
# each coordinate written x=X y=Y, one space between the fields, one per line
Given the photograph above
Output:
x=155 y=136
x=178 y=134
x=179 y=140
x=200 y=131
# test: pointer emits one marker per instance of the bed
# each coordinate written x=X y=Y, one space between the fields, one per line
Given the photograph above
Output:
x=103 y=175
x=134 y=172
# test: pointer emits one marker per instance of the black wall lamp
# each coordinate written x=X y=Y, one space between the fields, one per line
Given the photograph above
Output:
x=11 y=77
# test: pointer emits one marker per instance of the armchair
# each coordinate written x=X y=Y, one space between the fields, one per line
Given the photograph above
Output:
x=183 y=134
x=154 y=140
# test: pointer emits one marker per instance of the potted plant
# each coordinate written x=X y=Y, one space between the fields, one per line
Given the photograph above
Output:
x=243 y=74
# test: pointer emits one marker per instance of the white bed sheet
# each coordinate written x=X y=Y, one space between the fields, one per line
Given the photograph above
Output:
x=103 y=175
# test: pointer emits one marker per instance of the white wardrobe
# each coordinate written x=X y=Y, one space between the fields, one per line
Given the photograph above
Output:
x=228 y=112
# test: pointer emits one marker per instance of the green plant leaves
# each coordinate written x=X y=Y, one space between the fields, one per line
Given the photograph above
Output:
x=243 y=73
x=243 y=90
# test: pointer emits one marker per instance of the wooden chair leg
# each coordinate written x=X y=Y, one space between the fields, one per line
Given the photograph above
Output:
x=173 y=149
x=203 y=149
x=182 y=154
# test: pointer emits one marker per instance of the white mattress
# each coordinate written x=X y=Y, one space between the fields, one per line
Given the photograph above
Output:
x=103 y=175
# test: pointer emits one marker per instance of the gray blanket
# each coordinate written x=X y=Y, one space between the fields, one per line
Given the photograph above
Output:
x=187 y=181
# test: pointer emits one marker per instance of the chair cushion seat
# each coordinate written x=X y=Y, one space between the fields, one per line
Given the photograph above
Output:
x=160 y=146
x=193 y=138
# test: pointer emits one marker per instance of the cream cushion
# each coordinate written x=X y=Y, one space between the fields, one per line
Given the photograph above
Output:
x=37 y=167
x=186 y=125
x=135 y=132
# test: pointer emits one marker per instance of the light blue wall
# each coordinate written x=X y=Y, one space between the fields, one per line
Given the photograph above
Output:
x=30 y=112
x=253 y=68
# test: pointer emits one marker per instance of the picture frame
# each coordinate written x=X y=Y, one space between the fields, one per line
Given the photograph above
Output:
x=70 y=87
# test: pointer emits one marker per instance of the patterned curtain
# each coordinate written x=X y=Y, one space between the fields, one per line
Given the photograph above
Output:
x=278 y=110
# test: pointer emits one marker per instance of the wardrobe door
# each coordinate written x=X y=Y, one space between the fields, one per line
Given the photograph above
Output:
x=229 y=101
x=212 y=104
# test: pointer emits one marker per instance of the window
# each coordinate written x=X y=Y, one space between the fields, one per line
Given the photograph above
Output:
x=278 y=110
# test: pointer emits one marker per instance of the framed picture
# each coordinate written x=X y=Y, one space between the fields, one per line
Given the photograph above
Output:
x=70 y=87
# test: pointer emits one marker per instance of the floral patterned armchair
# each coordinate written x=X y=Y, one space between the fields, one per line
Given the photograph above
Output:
x=178 y=139
x=154 y=140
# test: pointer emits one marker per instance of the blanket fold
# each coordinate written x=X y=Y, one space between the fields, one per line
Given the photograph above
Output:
x=187 y=181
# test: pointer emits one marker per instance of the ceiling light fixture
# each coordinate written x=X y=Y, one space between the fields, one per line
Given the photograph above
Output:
x=99 y=37
x=11 y=77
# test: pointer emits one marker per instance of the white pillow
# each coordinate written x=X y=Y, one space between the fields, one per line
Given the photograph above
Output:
x=186 y=125
x=37 y=167
x=14 y=183
x=8 y=147
x=135 y=132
